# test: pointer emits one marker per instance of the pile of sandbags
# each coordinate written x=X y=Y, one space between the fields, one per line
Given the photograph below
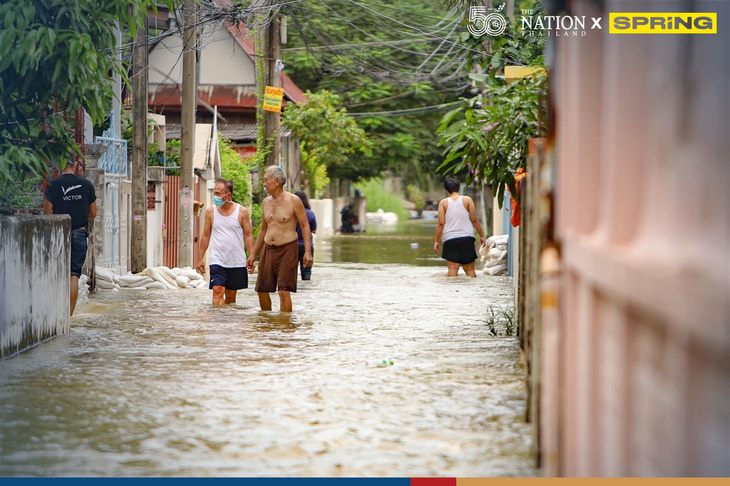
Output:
x=150 y=278
x=494 y=255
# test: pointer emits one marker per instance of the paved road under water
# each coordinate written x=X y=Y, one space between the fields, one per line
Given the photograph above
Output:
x=161 y=383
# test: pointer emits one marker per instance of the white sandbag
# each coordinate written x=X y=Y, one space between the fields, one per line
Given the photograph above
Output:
x=198 y=284
x=167 y=271
x=495 y=270
x=157 y=285
x=157 y=276
x=494 y=253
x=497 y=240
x=191 y=274
x=105 y=285
x=83 y=295
x=141 y=283
x=182 y=281
x=503 y=255
x=130 y=280
x=501 y=247
x=168 y=275
x=177 y=271
x=104 y=274
x=493 y=263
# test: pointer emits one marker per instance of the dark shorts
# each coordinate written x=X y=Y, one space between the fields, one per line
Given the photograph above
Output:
x=79 y=245
x=230 y=278
x=460 y=250
x=278 y=268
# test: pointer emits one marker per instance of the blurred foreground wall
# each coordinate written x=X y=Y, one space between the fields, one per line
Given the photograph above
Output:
x=635 y=374
x=34 y=280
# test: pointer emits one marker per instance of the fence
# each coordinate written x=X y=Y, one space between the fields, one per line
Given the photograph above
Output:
x=117 y=201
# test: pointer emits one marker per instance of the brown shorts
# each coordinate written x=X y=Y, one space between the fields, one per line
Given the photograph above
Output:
x=278 y=268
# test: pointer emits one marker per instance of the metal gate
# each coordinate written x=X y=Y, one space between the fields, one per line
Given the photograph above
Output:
x=117 y=201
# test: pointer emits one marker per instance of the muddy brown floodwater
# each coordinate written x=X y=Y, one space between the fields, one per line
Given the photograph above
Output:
x=160 y=383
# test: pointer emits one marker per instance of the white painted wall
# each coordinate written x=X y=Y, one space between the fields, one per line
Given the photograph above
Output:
x=222 y=61
x=324 y=211
x=35 y=271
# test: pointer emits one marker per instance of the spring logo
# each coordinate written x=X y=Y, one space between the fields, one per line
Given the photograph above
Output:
x=479 y=23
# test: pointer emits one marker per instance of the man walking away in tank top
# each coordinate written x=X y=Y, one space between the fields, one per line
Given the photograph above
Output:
x=277 y=242
x=227 y=227
x=457 y=222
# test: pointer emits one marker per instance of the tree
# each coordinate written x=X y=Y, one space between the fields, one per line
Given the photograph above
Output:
x=329 y=138
x=486 y=136
x=56 y=57
x=237 y=170
x=381 y=58
x=489 y=142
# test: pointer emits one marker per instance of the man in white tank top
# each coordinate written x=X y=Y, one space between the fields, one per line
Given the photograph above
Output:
x=227 y=227
x=457 y=222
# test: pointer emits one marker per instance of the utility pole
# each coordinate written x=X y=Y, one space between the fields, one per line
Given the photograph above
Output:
x=187 y=138
x=272 y=52
x=139 y=152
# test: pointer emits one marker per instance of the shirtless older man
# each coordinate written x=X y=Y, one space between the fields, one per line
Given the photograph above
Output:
x=278 y=238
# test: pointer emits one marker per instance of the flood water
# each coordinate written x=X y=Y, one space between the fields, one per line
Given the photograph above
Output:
x=160 y=383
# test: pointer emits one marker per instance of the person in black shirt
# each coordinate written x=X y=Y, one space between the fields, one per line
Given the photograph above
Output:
x=73 y=195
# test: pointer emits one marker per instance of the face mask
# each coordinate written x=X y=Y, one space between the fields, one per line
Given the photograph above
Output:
x=218 y=201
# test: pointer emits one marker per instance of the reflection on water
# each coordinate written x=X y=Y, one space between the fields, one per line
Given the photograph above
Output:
x=161 y=383
x=410 y=242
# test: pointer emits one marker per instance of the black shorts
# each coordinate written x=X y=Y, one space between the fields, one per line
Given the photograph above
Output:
x=231 y=278
x=79 y=245
x=460 y=250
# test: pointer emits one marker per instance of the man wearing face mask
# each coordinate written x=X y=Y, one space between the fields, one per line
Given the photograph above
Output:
x=227 y=227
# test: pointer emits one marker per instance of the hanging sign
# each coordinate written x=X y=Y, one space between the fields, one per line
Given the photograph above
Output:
x=272 y=99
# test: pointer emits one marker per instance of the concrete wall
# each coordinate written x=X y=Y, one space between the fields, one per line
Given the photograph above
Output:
x=636 y=336
x=324 y=211
x=34 y=280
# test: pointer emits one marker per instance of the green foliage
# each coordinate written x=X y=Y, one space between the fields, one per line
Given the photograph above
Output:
x=378 y=198
x=328 y=137
x=257 y=216
x=55 y=57
x=377 y=65
x=21 y=192
x=237 y=170
x=490 y=142
x=315 y=172
x=416 y=196
x=486 y=137
x=502 y=322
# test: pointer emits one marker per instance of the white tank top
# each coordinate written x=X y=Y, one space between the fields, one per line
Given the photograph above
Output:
x=226 y=240
x=458 y=222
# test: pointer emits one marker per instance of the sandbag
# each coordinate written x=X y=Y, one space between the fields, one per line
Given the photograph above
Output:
x=141 y=283
x=168 y=275
x=157 y=275
x=104 y=274
x=106 y=285
x=182 y=281
x=191 y=274
x=495 y=270
x=131 y=280
x=494 y=253
x=157 y=285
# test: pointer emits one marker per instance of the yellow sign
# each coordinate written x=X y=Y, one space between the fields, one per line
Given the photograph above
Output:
x=662 y=23
x=272 y=99
x=512 y=73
